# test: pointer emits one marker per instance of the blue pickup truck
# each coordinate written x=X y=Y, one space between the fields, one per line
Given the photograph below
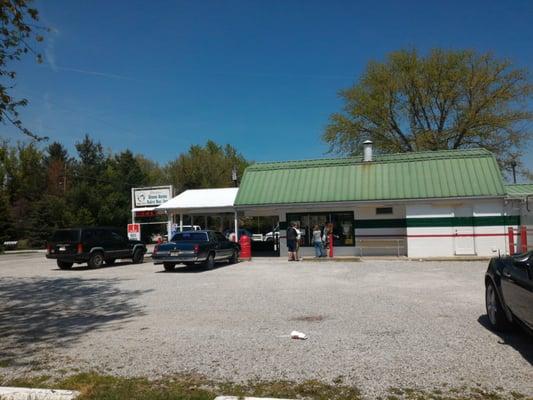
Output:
x=203 y=247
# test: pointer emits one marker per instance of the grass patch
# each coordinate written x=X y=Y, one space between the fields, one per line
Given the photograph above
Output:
x=94 y=386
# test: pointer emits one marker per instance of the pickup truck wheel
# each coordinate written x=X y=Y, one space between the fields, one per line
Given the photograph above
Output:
x=110 y=261
x=234 y=259
x=96 y=260
x=138 y=256
x=64 y=264
x=210 y=262
x=497 y=318
x=169 y=266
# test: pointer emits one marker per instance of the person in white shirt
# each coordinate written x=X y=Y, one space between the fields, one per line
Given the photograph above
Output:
x=298 y=238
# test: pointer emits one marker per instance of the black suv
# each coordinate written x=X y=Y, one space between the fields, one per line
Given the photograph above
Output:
x=94 y=246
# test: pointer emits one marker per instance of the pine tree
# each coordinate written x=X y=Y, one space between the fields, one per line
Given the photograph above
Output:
x=6 y=221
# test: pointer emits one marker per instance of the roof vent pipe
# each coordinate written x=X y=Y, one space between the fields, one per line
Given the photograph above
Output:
x=367 y=150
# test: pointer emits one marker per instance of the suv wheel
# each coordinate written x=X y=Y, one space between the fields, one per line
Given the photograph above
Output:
x=210 y=262
x=234 y=259
x=64 y=264
x=497 y=318
x=169 y=266
x=96 y=260
x=138 y=256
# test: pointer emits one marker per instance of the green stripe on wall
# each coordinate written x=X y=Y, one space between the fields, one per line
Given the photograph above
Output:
x=438 y=222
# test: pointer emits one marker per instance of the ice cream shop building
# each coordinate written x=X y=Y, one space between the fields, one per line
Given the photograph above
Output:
x=422 y=204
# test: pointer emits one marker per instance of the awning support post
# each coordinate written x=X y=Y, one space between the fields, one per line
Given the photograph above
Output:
x=181 y=222
x=236 y=227
x=169 y=226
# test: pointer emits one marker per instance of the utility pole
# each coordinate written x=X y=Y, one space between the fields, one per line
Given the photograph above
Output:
x=234 y=177
x=513 y=166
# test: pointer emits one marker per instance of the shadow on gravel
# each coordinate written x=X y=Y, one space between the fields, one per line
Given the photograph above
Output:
x=85 y=267
x=191 y=269
x=44 y=313
x=518 y=339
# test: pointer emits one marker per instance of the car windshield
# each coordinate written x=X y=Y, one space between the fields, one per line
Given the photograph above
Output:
x=190 y=236
x=66 y=235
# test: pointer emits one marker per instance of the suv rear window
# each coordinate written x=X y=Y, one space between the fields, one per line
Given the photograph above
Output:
x=190 y=236
x=66 y=235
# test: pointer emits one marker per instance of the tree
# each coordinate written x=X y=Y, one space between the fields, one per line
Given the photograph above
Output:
x=445 y=100
x=152 y=170
x=123 y=173
x=209 y=166
x=46 y=215
x=17 y=38
x=56 y=161
x=86 y=188
x=6 y=223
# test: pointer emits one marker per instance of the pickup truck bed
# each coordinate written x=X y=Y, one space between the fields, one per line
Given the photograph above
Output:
x=195 y=247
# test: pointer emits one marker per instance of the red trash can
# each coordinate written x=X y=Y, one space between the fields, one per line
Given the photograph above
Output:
x=246 y=248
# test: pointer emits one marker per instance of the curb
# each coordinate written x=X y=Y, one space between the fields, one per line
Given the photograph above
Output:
x=29 y=251
x=18 y=393
x=455 y=258
x=331 y=259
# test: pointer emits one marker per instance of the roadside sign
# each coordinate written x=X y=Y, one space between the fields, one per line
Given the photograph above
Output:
x=151 y=196
x=134 y=231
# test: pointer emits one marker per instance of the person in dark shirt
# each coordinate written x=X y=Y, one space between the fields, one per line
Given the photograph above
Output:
x=292 y=235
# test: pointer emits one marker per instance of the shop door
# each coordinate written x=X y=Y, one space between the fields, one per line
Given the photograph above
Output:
x=464 y=240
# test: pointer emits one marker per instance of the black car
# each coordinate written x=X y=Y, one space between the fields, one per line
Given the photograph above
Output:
x=93 y=246
x=509 y=291
x=196 y=247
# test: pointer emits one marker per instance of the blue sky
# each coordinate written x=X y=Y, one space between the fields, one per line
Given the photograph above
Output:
x=159 y=76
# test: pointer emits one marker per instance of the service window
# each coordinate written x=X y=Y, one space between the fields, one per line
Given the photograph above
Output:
x=343 y=226
x=343 y=229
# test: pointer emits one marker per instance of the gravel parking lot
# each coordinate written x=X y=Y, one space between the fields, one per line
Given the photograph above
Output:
x=376 y=324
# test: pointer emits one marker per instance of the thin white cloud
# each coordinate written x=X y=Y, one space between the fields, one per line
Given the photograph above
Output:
x=49 y=50
x=95 y=73
x=50 y=58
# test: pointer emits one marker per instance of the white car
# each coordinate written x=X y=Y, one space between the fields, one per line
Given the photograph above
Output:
x=270 y=236
x=189 y=228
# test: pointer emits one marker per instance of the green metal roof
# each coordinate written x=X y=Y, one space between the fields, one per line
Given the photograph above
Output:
x=519 y=189
x=434 y=174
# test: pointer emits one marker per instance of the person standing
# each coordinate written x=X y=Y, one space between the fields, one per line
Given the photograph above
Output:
x=317 y=241
x=328 y=229
x=298 y=240
x=291 y=241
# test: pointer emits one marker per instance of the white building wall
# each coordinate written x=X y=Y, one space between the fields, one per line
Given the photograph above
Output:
x=493 y=239
x=454 y=238
x=429 y=237
x=373 y=238
x=429 y=241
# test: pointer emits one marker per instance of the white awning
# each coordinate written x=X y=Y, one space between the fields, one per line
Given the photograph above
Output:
x=202 y=200
x=143 y=209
